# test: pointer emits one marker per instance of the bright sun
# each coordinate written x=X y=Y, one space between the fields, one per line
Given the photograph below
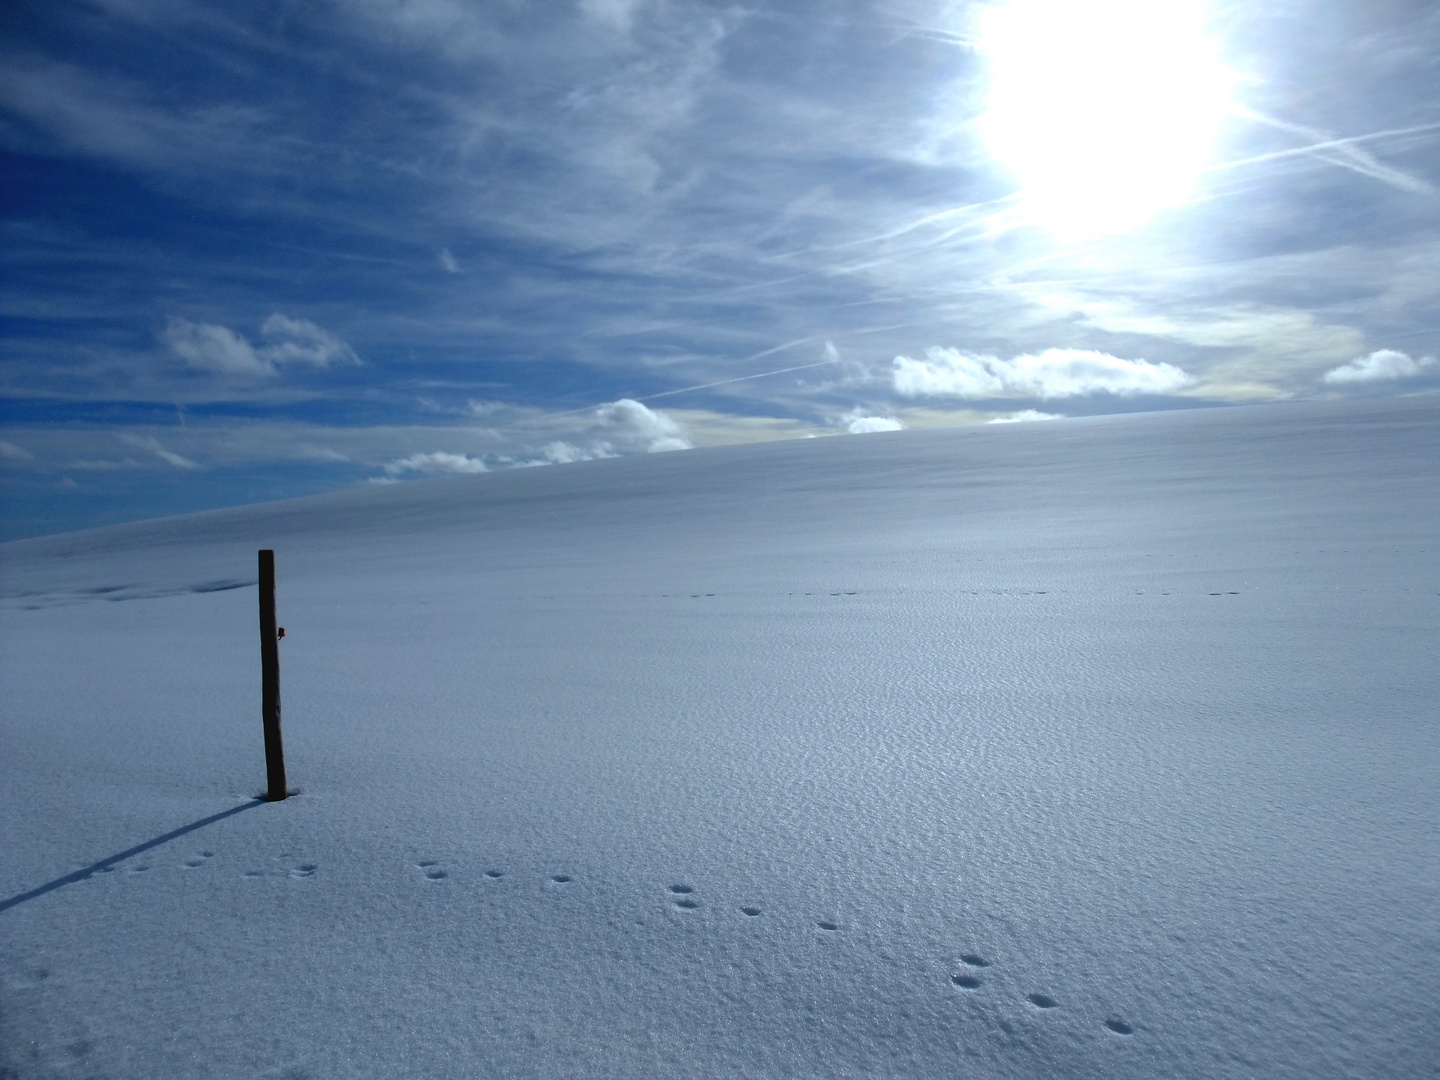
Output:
x=1104 y=110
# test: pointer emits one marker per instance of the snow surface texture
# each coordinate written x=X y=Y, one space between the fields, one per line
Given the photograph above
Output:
x=1099 y=748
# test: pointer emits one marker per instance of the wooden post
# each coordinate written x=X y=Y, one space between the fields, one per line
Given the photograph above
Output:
x=270 y=680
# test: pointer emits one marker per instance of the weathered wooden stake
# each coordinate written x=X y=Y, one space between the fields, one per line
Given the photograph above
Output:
x=270 y=679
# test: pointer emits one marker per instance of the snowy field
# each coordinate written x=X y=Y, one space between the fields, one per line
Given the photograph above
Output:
x=1091 y=748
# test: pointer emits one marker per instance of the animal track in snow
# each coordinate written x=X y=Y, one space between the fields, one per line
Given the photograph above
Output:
x=297 y=870
x=682 y=898
x=683 y=892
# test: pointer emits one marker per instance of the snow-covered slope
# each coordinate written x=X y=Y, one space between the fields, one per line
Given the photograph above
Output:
x=1095 y=748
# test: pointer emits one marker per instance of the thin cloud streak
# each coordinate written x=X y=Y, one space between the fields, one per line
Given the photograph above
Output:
x=1346 y=153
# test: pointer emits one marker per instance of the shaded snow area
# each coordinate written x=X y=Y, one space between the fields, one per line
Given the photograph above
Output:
x=1097 y=748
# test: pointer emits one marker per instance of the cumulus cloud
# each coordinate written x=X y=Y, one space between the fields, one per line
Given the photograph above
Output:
x=563 y=453
x=1025 y=415
x=209 y=347
x=1054 y=373
x=857 y=423
x=623 y=426
x=154 y=446
x=620 y=427
x=1380 y=365
x=634 y=425
x=438 y=461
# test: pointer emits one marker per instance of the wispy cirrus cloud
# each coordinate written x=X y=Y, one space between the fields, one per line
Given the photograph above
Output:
x=154 y=446
x=285 y=340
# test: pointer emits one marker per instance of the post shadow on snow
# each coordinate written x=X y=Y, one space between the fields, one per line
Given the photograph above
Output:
x=105 y=864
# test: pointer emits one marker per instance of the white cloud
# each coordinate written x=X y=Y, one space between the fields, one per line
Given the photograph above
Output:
x=310 y=452
x=1054 y=373
x=857 y=423
x=614 y=13
x=437 y=462
x=215 y=348
x=102 y=464
x=154 y=446
x=447 y=261
x=619 y=427
x=630 y=422
x=862 y=424
x=563 y=453
x=209 y=347
x=1023 y=416
x=301 y=341
x=10 y=452
x=1379 y=365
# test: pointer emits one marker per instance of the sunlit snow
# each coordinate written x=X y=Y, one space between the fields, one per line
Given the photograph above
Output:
x=1092 y=748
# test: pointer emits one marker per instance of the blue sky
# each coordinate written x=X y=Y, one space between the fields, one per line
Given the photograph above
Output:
x=255 y=250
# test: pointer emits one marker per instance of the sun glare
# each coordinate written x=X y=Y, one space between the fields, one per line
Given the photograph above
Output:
x=1105 y=111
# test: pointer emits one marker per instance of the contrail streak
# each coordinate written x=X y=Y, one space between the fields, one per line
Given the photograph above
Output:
x=759 y=374
x=780 y=371
x=1346 y=153
x=919 y=223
